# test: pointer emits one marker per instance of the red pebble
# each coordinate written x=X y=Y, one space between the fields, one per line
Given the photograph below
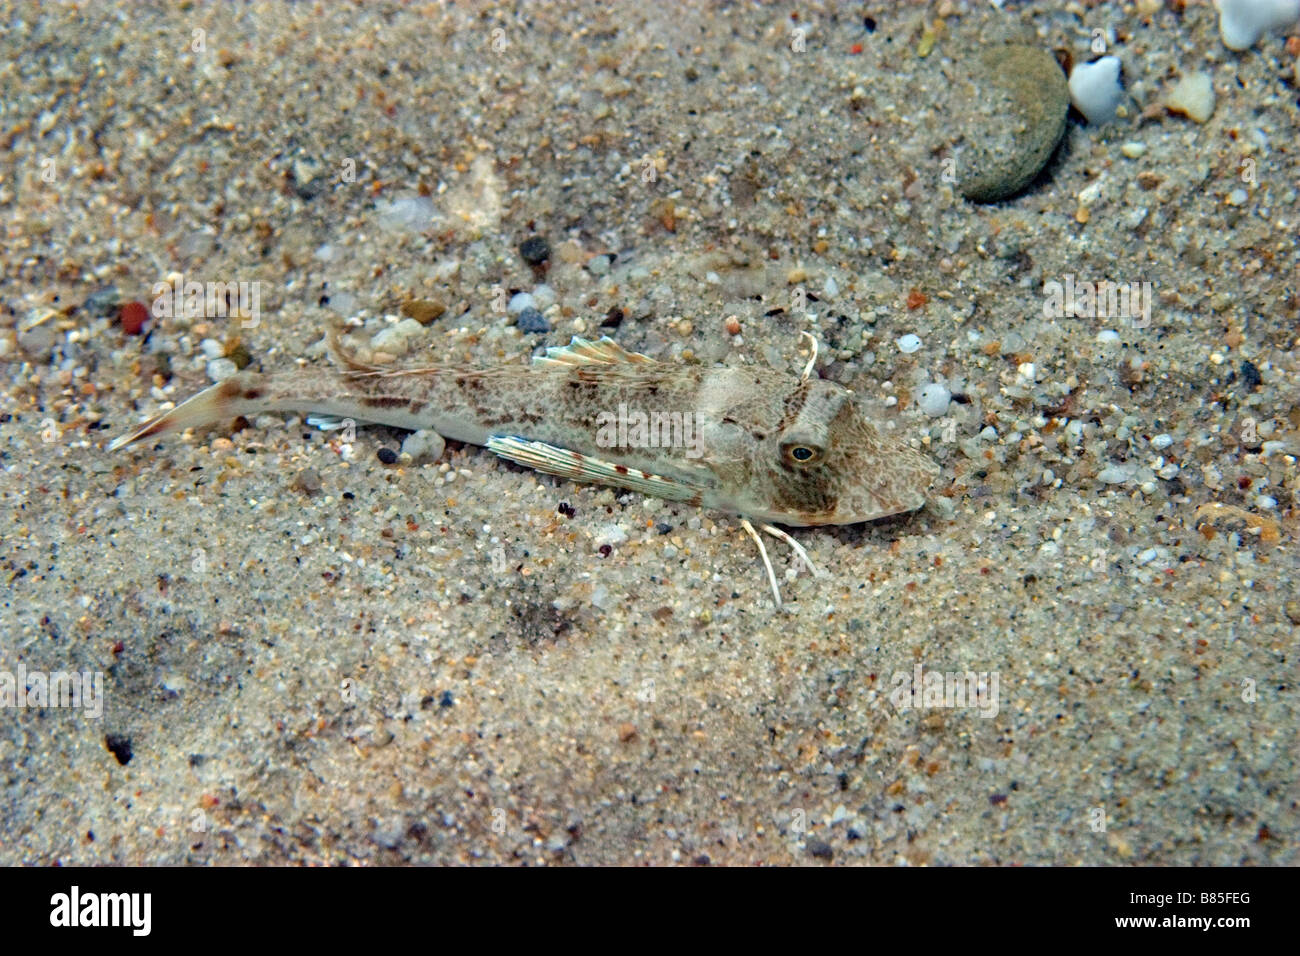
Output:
x=133 y=317
x=856 y=49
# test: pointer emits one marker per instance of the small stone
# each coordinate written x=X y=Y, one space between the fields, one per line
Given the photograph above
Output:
x=396 y=339
x=307 y=481
x=543 y=297
x=520 y=301
x=1015 y=119
x=424 y=311
x=1250 y=377
x=1243 y=22
x=1114 y=475
x=1193 y=97
x=820 y=849
x=934 y=399
x=1134 y=150
x=535 y=250
x=424 y=445
x=103 y=303
x=599 y=265
x=221 y=369
x=387 y=456
x=1095 y=90
x=908 y=344
x=532 y=322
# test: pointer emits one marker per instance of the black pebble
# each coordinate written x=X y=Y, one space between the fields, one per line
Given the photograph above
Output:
x=446 y=700
x=119 y=746
x=663 y=527
x=820 y=849
x=532 y=321
x=1250 y=376
x=869 y=24
x=387 y=456
x=535 y=250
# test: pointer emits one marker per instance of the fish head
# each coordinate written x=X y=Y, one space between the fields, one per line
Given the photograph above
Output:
x=825 y=462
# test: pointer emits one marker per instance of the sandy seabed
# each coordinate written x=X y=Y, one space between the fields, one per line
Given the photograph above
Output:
x=310 y=656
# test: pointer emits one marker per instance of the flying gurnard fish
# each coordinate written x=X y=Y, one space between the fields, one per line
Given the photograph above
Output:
x=768 y=446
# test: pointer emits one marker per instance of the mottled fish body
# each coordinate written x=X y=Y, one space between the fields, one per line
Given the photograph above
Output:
x=757 y=443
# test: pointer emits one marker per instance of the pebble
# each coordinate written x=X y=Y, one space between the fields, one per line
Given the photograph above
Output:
x=1095 y=90
x=103 y=302
x=934 y=399
x=1243 y=22
x=1163 y=440
x=544 y=297
x=1016 y=119
x=520 y=301
x=387 y=456
x=1134 y=150
x=532 y=322
x=1115 y=474
x=610 y=535
x=908 y=344
x=535 y=250
x=424 y=445
x=221 y=369
x=410 y=214
x=599 y=265
x=396 y=339
x=1193 y=97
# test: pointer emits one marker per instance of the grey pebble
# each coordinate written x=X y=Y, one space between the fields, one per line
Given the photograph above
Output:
x=1014 y=118
x=532 y=321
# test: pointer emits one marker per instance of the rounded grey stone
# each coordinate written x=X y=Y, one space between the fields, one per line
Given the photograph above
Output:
x=1014 y=110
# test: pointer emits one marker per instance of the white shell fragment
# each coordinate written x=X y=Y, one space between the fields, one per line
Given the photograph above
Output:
x=1193 y=97
x=1243 y=22
x=1095 y=89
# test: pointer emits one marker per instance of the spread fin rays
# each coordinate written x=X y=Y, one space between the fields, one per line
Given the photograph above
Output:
x=576 y=467
x=585 y=352
x=564 y=463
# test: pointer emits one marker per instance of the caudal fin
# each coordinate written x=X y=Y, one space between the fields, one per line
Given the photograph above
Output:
x=233 y=397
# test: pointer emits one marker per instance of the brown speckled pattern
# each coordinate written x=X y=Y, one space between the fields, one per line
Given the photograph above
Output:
x=745 y=419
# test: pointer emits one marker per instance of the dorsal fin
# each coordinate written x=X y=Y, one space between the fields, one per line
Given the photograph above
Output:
x=585 y=352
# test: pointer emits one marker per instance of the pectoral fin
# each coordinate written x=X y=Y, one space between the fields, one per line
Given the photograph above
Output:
x=577 y=467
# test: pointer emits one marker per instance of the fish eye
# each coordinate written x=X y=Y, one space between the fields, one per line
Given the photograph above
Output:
x=800 y=454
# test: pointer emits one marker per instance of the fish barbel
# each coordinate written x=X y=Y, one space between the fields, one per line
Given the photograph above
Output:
x=756 y=443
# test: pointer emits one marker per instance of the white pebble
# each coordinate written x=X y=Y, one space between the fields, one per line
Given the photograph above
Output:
x=1163 y=440
x=831 y=287
x=221 y=369
x=212 y=348
x=934 y=399
x=395 y=339
x=520 y=301
x=1243 y=22
x=1095 y=90
x=1193 y=97
x=1114 y=475
x=424 y=444
x=410 y=214
x=908 y=344
x=1238 y=197
x=1134 y=150
x=610 y=534
x=1107 y=336
x=543 y=297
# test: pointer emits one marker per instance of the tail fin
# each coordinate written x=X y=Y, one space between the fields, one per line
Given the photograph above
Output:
x=237 y=395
